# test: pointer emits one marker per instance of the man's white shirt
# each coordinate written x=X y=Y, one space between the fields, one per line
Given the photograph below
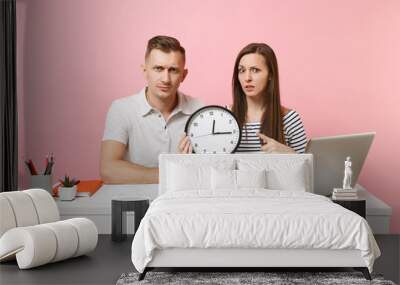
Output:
x=132 y=121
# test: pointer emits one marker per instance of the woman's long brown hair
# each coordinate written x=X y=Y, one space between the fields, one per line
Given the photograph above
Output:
x=272 y=118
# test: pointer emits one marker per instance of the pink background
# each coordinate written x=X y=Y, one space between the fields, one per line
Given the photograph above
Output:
x=339 y=65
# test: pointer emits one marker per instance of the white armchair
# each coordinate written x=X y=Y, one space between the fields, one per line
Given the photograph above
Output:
x=31 y=232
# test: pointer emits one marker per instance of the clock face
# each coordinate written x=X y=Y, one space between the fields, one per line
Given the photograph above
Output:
x=213 y=129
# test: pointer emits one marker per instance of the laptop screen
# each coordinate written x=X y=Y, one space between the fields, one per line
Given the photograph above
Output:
x=330 y=154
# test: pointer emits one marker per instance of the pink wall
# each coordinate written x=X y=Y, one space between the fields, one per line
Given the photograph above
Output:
x=339 y=64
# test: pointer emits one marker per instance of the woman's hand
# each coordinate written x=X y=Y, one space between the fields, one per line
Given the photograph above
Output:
x=272 y=146
x=184 y=145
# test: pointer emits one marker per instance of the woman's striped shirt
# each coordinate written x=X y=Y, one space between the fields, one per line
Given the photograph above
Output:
x=293 y=130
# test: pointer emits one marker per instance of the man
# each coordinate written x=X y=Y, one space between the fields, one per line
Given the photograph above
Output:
x=140 y=127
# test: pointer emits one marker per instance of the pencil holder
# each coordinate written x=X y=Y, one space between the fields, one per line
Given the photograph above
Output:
x=43 y=182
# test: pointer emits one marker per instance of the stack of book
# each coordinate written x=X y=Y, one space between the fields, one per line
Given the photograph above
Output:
x=344 y=194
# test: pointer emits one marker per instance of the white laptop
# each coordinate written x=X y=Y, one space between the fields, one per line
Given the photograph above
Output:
x=329 y=156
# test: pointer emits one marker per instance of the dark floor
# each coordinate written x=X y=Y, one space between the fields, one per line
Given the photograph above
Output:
x=110 y=260
x=102 y=266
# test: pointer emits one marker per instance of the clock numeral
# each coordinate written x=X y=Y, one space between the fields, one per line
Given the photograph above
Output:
x=211 y=113
x=231 y=142
x=195 y=124
x=234 y=132
x=230 y=121
x=191 y=134
x=222 y=114
x=204 y=150
x=201 y=116
x=195 y=144
x=214 y=152
x=224 y=149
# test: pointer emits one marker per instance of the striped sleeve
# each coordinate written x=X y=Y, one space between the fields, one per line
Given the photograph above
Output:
x=295 y=134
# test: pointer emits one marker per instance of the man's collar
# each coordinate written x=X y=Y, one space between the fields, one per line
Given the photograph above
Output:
x=183 y=105
x=145 y=107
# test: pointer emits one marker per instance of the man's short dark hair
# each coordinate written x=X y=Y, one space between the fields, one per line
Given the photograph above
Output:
x=165 y=44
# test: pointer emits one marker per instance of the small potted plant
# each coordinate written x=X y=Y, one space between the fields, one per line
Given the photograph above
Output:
x=67 y=189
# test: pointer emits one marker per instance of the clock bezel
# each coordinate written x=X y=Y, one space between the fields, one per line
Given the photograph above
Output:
x=218 y=107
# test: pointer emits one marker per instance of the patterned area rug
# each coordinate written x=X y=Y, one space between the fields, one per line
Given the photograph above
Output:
x=229 y=278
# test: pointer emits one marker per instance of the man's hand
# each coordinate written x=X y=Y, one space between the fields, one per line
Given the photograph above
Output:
x=270 y=145
x=184 y=145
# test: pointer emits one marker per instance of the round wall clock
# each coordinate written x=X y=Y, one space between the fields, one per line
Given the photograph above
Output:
x=213 y=129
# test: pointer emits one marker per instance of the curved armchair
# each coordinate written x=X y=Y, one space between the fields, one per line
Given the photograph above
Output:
x=31 y=232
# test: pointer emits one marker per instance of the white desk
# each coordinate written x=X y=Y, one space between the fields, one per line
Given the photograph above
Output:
x=98 y=207
x=378 y=212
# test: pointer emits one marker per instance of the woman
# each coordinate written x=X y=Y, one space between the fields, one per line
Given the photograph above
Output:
x=266 y=125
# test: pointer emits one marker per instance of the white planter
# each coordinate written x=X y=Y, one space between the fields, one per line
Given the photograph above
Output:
x=67 y=193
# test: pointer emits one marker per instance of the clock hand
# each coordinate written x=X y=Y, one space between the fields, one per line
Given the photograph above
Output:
x=213 y=127
x=222 y=133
